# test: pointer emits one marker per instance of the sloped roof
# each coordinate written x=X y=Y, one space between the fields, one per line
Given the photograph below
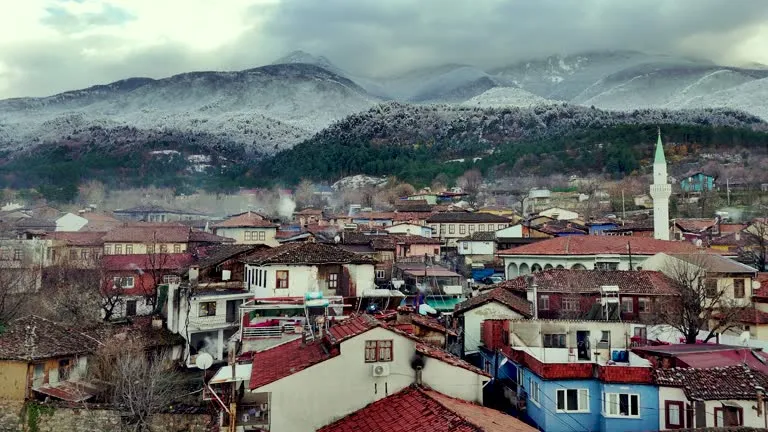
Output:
x=413 y=206
x=715 y=263
x=374 y=216
x=246 y=220
x=352 y=327
x=287 y=359
x=309 y=211
x=718 y=383
x=213 y=255
x=78 y=238
x=595 y=245
x=481 y=236
x=409 y=239
x=33 y=337
x=418 y=409
x=149 y=233
x=694 y=225
x=206 y=237
x=151 y=208
x=306 y=253
x=500 y=295
x=590 y=281
x=171 y=262
x=752 y=316
x=466 y=217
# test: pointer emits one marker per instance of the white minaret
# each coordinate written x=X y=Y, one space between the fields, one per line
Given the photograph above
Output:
x=660 y=192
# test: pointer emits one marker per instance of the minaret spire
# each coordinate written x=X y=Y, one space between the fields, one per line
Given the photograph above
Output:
x=660 y=192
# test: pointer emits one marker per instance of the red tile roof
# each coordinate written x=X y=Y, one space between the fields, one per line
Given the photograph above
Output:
x=307 y=253
x=411 y=215
x=149 y=233
x=594 y=245
x=753 y=316
x=719 y=383
x=78 y=238
x=420 y=410
x=446 y=357
x=33 y=337
x=206 y=237
x=590 y=281
x=286 y=359
x=309 y=212
x=430 y=323
x=374 y=216
x=500 y=295
x=763 y=290
x=414 y=239
x=352 y=327
x=246 y=220
x=694 y=225
x=466 y=217
x=99 y=222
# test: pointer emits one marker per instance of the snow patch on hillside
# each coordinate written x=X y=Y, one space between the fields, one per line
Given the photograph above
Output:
x=500 y=97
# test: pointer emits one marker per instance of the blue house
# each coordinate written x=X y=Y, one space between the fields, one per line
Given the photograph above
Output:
x=697 y=182
x=599 y=227
x=558 y=391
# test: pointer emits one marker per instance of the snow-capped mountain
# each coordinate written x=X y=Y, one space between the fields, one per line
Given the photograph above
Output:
x=500 y=97
x=265 y=109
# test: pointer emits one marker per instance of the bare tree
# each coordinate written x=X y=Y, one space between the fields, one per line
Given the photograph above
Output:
x=470 y=182
x=701 y=302
x=304 y=194
x=754 y=250
x=141 y=383
x=17 y=282
x=71 y=290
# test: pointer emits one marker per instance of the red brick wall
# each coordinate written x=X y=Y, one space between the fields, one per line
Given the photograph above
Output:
x=624 y=374
x=553 y=370
x=492 y=333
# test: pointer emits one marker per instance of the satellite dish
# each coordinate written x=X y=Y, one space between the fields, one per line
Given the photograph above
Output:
x=204 y=361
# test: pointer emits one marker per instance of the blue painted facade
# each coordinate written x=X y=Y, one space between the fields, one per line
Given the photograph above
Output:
x=543 y=412
x=698 y=182
x=597 y=229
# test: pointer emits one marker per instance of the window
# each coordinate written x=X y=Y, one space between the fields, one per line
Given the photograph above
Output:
x=534 y=390
x=571 y=304
x=626 y=305
x=544 y=302
x=729 y=416
x=452 y=229
x=572 y=400
x=644 y=305
x=622 y=405
x=481 y=227
x=130 y=308
x=18 y=254
x=73 y=254
x=65 y=367
x=462 y=229
x=380 y=274
x=465 y=245
x=128 y=249
x=125 y=282
x=605 y=337
x=378 y=351
x=738 y=288
x=606 y=266
x=674 y=414
x=520 y=376
x=500 y=226
x=490 y=227
x=333 y=280
x=84 y=254
x=177 y=248
x=150 y=248
x=171 y=279
x=556 y=340
x=118 y=249
x=207 y=309
x=471 y=228
x=282 y=279
x=107 y=249
x=163 y=248
x=710 y=287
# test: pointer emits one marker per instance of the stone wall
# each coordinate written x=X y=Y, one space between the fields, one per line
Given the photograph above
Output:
x=36 y=417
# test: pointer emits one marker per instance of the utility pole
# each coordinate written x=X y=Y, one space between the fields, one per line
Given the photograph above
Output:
x=623 y=207
x=728 y=189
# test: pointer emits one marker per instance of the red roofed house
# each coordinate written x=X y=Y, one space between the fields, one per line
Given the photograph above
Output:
x=587 y=253
x=142 y=238
x=419 y=409
x=305 y=386
x=248 y=228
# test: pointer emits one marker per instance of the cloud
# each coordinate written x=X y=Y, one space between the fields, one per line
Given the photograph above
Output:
x=48 y=46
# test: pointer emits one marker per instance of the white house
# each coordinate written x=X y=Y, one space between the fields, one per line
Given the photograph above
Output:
x=70 y=222
x=493 y=304
x=559 y=214
x=713 y=397
x=451 y=226
x=248 y=228
x=587 y=253
x=294 y=269
x=359 y=362
x=410 y=229
x=480 y=247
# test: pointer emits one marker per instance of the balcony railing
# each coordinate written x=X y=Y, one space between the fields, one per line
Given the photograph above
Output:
x=268 y=331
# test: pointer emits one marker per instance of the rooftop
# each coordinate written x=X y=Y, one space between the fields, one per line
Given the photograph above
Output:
x=481 y=236
x=214 y=255
x=284 y=360
x=78 y=238
x=33 y=338
x=467 y=217
x=596 y=245
x=420 y=409
x=306 y=253
x=500 y=295
x=246 y=220
x=156 y=209
x=206 y=237
x=720 y=383
x=694 y=225
x=590 y=281
x=715 y=263
x=136 y=262
x=149 y=233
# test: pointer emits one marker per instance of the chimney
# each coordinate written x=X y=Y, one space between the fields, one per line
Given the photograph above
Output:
x=418 y=375
x=194 y=274
x=531 y=294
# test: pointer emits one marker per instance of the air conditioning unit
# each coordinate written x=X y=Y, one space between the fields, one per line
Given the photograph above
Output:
x=380 y=370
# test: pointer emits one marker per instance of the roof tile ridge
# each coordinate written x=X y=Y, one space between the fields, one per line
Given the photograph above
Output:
x=464 y=420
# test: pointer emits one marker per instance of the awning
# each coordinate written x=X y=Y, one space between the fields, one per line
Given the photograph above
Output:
x=445 y=304
x=224 y=375
x=70 y=391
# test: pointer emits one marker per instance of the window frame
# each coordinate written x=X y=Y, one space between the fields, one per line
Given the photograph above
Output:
x=131 y=304
x=631 y=305
x=129 y=249
x=177 y=248
x=681 y=406
x=379 y=351
x=534 y=391
x=118 y=249
x=208 y=309
x=710 y=284
x=107 y=249
x=617 y=405
x=452 y=229
x=554 y=340
x=579 y=400
x=573 y=304
x=380 y=274
x=742 y=288
x=462 y=229
x=278 y=279
x=333 y=280
x=721 y=409
x=648 y=308
x=543 y=302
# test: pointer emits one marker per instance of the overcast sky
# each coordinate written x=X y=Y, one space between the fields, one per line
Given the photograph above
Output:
x=48 y=46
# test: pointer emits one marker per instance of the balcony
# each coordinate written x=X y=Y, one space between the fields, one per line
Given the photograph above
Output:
x=272 y=328
x=212 y=322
